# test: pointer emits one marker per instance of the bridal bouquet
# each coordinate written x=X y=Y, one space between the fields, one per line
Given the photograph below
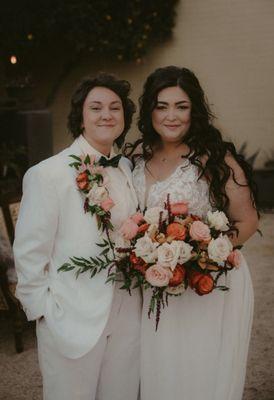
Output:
x=167 y=250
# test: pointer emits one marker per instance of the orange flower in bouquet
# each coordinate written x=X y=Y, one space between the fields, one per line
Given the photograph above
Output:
x=176 y=230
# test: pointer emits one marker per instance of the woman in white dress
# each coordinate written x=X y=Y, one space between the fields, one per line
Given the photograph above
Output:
x=200 y=348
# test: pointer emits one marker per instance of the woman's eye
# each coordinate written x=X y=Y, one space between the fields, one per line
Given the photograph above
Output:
x=95 y=108
x=160 y=108
x=183 y=107
x=116 y=109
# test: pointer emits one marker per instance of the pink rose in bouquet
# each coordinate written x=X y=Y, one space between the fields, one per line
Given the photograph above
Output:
x=179 y=208
x=235 y=258
x=129 y=229
x=200 y=231
x=137 y=218
x=158 y=276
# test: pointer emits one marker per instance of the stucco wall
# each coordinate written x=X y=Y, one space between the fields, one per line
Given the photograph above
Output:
x=229 y=45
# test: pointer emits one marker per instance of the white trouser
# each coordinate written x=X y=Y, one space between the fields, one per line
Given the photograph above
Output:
x=110 y=371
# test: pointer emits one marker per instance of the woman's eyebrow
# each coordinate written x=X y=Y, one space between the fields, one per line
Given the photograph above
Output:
x=178 y=102
x=99 y=102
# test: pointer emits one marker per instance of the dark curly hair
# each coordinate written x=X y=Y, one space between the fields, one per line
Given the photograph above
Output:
x=202 y=138
x=120 y=87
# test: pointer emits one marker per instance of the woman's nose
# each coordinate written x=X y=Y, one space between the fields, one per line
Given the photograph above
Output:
x=171 y=115
x=105 y=113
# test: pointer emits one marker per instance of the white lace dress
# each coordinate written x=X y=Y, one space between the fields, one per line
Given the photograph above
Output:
x=200 y=349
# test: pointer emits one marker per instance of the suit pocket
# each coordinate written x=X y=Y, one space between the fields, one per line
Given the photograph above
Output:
x=55 y=299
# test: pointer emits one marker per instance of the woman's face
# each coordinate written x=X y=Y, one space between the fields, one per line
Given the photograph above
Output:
x=103 y=117
x=171 y=117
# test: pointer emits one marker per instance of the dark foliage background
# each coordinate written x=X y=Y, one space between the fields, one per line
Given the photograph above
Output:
x=63 y=32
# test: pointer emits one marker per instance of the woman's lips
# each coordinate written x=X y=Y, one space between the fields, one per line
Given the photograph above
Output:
x=172 y=127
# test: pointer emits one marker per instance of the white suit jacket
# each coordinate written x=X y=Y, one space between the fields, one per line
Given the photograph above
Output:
x=51 y=227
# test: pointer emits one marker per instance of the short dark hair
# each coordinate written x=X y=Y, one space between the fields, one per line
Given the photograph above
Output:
x=120 y=87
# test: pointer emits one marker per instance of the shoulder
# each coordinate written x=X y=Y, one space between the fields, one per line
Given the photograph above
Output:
x=237 y=173
x=50 y=168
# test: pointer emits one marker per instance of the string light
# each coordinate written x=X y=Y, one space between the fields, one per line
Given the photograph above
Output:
x=108 y=17
x=30 y=36
x=13 y=59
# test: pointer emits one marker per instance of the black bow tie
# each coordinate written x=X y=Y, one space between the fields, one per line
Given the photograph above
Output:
x=110 y=162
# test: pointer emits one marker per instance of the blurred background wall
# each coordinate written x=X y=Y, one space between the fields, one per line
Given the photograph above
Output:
x=229 y=45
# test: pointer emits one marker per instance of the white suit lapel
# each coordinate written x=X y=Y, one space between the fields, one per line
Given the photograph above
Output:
x=77 y=149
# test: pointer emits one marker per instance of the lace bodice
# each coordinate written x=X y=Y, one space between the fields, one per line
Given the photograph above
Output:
x=182 y=185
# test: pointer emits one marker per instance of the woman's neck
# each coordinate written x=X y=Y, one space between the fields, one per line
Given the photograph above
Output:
x=100 y=147
x=170 y=149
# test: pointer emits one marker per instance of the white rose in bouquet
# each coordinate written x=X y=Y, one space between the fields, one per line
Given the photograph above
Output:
x=97 y=194
x=218 y=220
x=146 y=249
x=219 y=249
x=168 y=254
x=185 y=253
x=152 y=215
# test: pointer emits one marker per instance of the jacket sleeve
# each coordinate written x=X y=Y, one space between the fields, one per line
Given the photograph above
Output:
x=34 y=240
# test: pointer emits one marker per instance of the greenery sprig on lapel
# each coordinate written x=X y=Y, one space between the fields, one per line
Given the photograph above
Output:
x=91 y=180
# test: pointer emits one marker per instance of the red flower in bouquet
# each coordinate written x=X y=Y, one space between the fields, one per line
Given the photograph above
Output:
x=138 y=264
x=201 y=283
x=178 y=276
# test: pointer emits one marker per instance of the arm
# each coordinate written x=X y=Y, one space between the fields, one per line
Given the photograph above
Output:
x=34 y=240
x=240 y=208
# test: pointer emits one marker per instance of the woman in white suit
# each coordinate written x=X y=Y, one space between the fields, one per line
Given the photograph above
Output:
x=88 y=331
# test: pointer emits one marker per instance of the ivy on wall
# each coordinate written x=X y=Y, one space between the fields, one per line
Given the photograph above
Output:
x=35 y=33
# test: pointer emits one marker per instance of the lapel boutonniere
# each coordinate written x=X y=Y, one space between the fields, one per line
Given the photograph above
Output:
x=92 y=181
